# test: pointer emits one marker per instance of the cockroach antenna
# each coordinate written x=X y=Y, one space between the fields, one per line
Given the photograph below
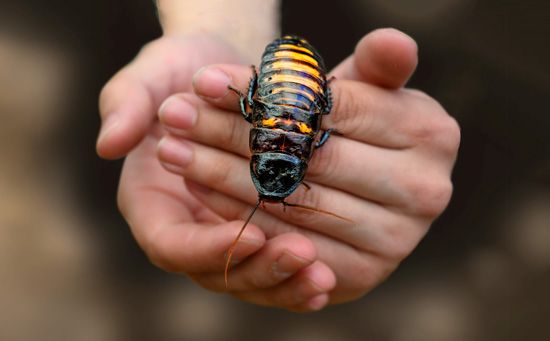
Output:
x=234 y=244
x=309 y=208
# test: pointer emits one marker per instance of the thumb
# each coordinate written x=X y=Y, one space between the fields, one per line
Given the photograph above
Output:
x=385 y=57
x=128 y=103
x=127 y=110
x=130 y=100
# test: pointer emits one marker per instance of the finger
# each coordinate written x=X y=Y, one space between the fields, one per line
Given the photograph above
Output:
x=391 y=178
x=179 y=112
x=378 y=231
x=164 y=219
x=210 y=125
x=129 y=101
x=385 y=57
x=366 y=113
x=126 y=108
x=280 y=258
x=384 y=124
x=390 y=119
x=358 y=270
x=208 y=166
x=227 y=174
x=211 y=83
x=361 y=257
x=306 y=291
x=387 y=175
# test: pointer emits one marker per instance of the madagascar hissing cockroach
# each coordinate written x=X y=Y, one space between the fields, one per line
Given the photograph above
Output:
x=285 y=104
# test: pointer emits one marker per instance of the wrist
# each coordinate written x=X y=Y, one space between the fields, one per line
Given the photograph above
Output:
x=247 y=25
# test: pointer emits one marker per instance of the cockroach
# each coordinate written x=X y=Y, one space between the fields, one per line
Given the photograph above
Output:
x=285 y=104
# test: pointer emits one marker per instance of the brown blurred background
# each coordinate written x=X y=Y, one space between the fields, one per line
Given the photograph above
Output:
x=70 y=270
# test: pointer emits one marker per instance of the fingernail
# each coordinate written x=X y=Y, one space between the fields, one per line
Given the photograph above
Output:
x=107 y=127
x=175 y=152
x=318 y=302
x=211 y=82
x=287 y=264
x=178 y=113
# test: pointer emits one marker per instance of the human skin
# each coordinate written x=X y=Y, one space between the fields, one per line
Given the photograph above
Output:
x=246 y=25
x=389 y=172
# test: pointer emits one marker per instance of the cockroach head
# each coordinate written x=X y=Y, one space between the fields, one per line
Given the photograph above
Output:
x=276 y=175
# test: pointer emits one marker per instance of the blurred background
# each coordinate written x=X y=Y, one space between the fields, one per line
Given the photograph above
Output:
x=70 y=269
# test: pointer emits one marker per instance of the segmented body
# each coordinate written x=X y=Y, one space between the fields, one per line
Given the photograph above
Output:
x=285 y=104
x=290 y=97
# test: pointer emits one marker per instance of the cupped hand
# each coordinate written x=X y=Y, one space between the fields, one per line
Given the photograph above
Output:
x=389 y=173
x=177 y=232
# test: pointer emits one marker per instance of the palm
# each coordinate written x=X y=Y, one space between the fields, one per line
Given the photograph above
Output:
x=155 y=202
x=152 y=183
x=175 y=61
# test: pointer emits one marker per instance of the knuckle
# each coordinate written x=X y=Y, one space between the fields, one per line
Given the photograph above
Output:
x=347 y=113
x=451 y=141
x=404 y=237
x=428 y=196
x=439 y=130
x=372 y=274
x=367 y=280
x=428 y=132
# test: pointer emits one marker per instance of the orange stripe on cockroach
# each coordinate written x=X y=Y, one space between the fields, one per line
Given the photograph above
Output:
x=277 y=172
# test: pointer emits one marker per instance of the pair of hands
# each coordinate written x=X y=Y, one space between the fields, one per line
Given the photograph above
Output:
x=389 y=172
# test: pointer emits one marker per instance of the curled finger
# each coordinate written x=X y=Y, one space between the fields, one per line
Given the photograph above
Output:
x=308 y=290
x=280 y=258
